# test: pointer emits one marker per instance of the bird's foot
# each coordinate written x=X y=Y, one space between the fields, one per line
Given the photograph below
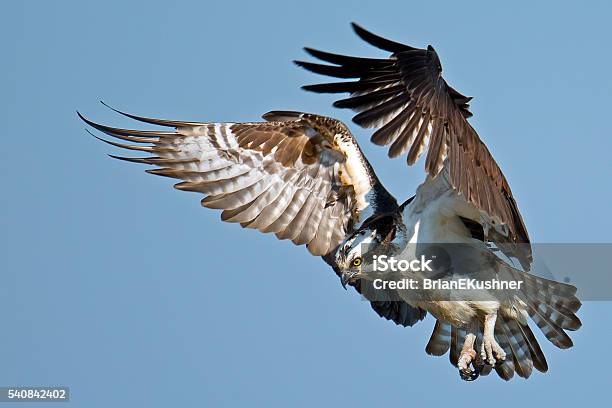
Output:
x=491 y=352
x=466 y=358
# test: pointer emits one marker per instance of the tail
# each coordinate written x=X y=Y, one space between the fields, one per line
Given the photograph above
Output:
x=552 y=306
x=523 y=352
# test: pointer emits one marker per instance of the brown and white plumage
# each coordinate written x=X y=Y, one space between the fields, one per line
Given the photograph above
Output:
x=314 y=186
x=414 y=110
x=304 y=178
x=299 y=176
x=406 y=97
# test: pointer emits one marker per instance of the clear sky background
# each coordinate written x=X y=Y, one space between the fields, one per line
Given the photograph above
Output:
x=130 y=293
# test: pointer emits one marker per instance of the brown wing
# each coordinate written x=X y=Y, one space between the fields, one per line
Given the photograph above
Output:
x=300 y=176
x=406 y=97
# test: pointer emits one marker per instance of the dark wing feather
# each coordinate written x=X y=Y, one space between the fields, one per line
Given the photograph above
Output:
x=392 y=307
x=406 y=97
x=300 y=176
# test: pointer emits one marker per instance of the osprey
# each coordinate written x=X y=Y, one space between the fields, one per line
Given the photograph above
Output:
x=304 y=178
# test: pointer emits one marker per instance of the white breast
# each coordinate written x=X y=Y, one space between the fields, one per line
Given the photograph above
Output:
x=433 y=217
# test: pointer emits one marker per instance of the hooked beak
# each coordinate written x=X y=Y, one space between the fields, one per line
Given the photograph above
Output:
x=346 y=278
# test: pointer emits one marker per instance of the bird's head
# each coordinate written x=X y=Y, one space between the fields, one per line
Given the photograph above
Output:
x=354 y=257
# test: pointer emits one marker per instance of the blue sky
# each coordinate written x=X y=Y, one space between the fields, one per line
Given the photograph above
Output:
x=130 y=293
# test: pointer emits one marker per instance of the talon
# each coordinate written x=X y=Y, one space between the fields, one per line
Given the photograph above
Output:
x=471 y=376
x=491 y=352
x=467 y=357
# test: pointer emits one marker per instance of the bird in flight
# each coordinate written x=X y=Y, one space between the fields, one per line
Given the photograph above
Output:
x=304 y=178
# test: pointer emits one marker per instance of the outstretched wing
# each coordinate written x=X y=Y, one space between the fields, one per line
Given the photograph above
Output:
x=300 y=176
x=406 y=97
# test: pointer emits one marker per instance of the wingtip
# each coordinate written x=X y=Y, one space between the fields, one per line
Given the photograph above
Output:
x=100 y=139
x=139 y=160
x=89 y=122
x=84 y=119
x=313 y=52
x=359 y=30
x=378 y=41
x=303 y=64
x=128 y=115
x=113 y=109
x=107 y=105
x=91 y=134
x=310 y=51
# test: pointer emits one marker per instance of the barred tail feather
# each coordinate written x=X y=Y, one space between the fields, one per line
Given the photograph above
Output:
x=505 y=368
x=520 y=352
x=457 y=338
x=440 y=339
x=539 y=360
x=552 y=306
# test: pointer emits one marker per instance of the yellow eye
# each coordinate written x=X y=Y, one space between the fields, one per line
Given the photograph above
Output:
x=357 y=261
